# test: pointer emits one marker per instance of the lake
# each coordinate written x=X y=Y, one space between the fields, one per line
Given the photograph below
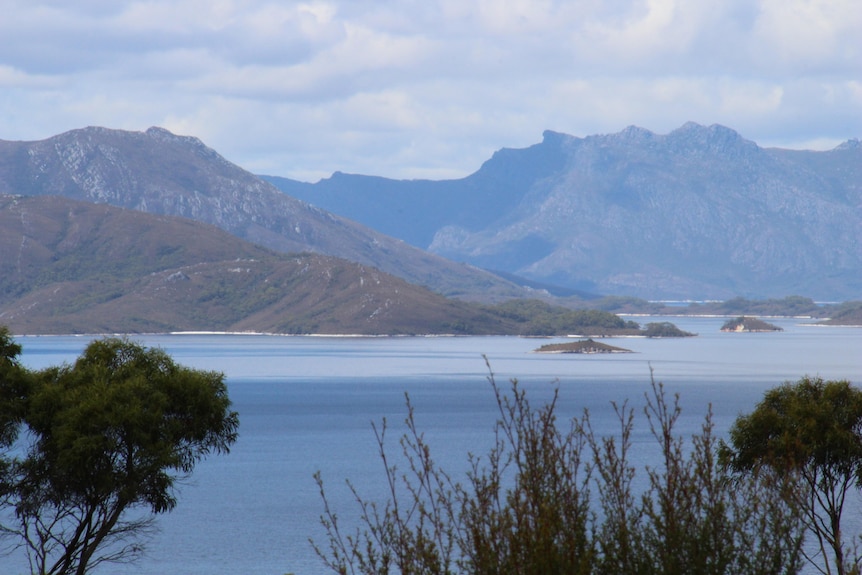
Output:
x=307 y=403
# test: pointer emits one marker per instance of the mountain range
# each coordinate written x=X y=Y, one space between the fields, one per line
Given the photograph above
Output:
x=158 y=172
x=699 y=213
x=110 y=230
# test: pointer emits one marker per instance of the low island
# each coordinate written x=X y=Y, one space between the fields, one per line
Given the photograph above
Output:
x=749 y=324
x=581 y=346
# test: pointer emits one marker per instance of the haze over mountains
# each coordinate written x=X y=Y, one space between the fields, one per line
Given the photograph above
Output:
x=698 y=213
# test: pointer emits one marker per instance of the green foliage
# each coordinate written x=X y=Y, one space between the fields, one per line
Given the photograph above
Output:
x=541 y=524
x=664 y=329
x=13 y=388
x=811 y=429
x=699 y=520
x=626 y=304
x=554 y=498
x=110 y=437
x=539 y=318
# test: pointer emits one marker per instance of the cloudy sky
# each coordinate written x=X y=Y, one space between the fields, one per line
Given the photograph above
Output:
x=427 y=88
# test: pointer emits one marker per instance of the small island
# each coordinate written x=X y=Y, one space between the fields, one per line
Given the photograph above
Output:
x=749 y=324
x=581 y=346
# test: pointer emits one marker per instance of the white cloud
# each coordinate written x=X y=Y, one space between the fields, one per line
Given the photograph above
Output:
x=410 y=88
x=811 y=35
x=13 y=78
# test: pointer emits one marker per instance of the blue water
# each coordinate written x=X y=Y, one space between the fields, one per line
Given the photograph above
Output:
x=307 y=403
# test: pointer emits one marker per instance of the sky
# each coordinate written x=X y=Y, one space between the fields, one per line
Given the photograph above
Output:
x=427 y=88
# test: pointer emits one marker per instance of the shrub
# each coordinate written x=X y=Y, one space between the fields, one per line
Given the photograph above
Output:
x=553 y=497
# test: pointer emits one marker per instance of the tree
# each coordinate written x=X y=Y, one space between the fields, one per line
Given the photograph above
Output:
x=110 y=436
x=12 y=385
x=813 y=429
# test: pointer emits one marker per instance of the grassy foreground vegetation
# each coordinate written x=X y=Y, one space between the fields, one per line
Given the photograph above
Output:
x=553 y=497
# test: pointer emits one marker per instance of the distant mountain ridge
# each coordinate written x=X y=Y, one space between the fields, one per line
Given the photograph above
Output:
x=161 y=173
x=700 y=212
x=415 y=210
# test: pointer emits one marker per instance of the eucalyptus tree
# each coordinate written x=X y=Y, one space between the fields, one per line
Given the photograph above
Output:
x=13 y=380
x=811 y=429
x=102 y=444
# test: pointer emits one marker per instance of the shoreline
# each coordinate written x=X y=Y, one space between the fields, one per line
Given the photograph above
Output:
x=431 y=335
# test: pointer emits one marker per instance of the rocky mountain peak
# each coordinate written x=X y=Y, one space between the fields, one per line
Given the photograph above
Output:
x=705 y=135
x=851 y=144
x=694 y=138
x=552 y=138
x=163 y=136
x=636 y=134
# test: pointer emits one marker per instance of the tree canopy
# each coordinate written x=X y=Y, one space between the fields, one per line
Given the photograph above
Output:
x=110 y=434
x=811 y=428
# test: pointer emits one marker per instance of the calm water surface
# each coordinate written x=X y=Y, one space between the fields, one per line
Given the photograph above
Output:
x=307 y=403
